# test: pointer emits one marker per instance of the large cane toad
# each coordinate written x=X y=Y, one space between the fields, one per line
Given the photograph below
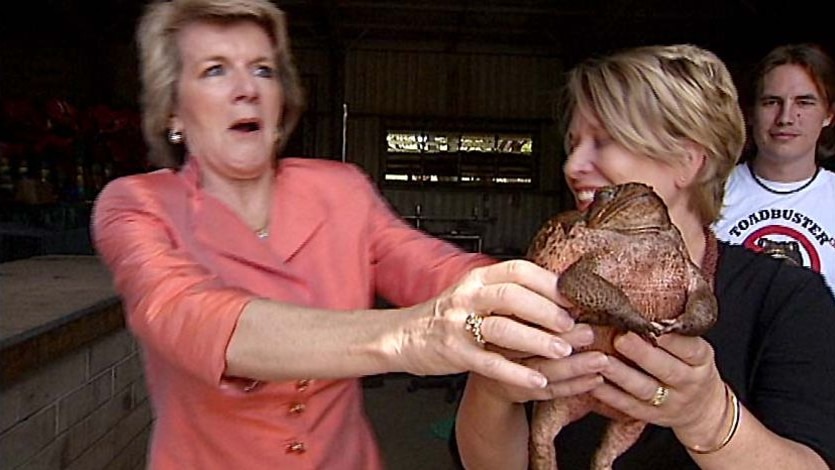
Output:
x=624 y=266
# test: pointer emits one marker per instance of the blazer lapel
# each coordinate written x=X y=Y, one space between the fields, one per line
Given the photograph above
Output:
x=216 y=226
x=296 y=213
x=295 y=217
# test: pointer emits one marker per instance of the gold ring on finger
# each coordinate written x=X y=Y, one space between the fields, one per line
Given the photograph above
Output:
x=473 y=325
x=660 y=396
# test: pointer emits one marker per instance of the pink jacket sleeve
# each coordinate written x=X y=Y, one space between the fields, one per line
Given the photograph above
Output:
x=173 y=305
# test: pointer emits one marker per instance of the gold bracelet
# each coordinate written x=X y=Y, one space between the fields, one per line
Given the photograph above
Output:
x=731 y=430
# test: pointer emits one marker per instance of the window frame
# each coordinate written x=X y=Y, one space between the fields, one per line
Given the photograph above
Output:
x=458 y=165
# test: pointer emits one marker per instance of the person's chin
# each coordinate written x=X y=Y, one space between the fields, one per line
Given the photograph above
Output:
x=249 y=169
x=789 y=152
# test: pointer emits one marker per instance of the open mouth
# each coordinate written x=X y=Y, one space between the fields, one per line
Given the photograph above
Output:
x=246 y=125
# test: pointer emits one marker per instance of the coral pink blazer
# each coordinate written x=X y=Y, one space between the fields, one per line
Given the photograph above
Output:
x=186 y=266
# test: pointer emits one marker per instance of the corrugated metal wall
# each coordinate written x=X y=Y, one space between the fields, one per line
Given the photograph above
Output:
x=424 y=86
x=425 y=83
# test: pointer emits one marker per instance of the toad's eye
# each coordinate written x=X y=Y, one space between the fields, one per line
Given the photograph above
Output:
x=604 y=194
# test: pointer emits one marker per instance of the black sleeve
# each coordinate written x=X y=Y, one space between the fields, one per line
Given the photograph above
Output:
x=793 y=380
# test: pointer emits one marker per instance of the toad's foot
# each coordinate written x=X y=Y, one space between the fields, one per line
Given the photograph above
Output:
x=669 y=325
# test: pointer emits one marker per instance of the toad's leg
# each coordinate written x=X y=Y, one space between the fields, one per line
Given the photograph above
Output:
x=619 y=437
x=700 y=311
x=549 y=417
x=601 y=302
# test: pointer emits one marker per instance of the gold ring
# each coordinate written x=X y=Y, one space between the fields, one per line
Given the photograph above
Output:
x=661 y=394
x=473 y=324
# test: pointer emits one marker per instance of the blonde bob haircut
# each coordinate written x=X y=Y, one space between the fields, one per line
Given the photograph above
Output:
x=160 y=64
x=658 y=101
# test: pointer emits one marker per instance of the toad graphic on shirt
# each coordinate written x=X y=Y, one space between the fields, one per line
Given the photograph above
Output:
x=789 y=251
x=785 y=243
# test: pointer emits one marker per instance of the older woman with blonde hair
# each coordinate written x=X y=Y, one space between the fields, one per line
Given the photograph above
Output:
x=248 y=280
x=757 y=390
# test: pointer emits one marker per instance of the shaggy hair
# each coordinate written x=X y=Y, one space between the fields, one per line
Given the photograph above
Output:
x=821 y=70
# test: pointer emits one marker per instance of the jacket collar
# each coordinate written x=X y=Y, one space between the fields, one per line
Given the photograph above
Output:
x=295 y=217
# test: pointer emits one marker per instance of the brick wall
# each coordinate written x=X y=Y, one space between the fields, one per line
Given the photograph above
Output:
x=87 y=410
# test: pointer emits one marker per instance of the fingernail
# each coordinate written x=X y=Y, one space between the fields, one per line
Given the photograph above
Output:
x=539 y=380
x=599 y=362
x=624 y=343
x=564 y=323
x=585 y=335
x=560 y=348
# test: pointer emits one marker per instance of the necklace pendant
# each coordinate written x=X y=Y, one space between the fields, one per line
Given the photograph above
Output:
x=262 y=233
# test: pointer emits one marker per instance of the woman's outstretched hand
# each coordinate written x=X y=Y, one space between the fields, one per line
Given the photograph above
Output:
x=492 y=322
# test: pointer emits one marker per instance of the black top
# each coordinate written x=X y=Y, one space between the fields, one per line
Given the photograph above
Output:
x=775 y=346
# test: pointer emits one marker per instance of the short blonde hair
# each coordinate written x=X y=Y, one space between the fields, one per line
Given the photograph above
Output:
x=160 y=64
x=657 y=100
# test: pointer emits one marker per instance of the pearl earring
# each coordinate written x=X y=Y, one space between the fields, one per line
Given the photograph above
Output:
x=175 y=136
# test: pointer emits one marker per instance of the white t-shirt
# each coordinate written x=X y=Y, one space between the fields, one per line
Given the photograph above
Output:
x=801 y=223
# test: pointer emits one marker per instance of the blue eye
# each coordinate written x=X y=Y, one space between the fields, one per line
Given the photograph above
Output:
x=214 y=71
x=264 y=71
